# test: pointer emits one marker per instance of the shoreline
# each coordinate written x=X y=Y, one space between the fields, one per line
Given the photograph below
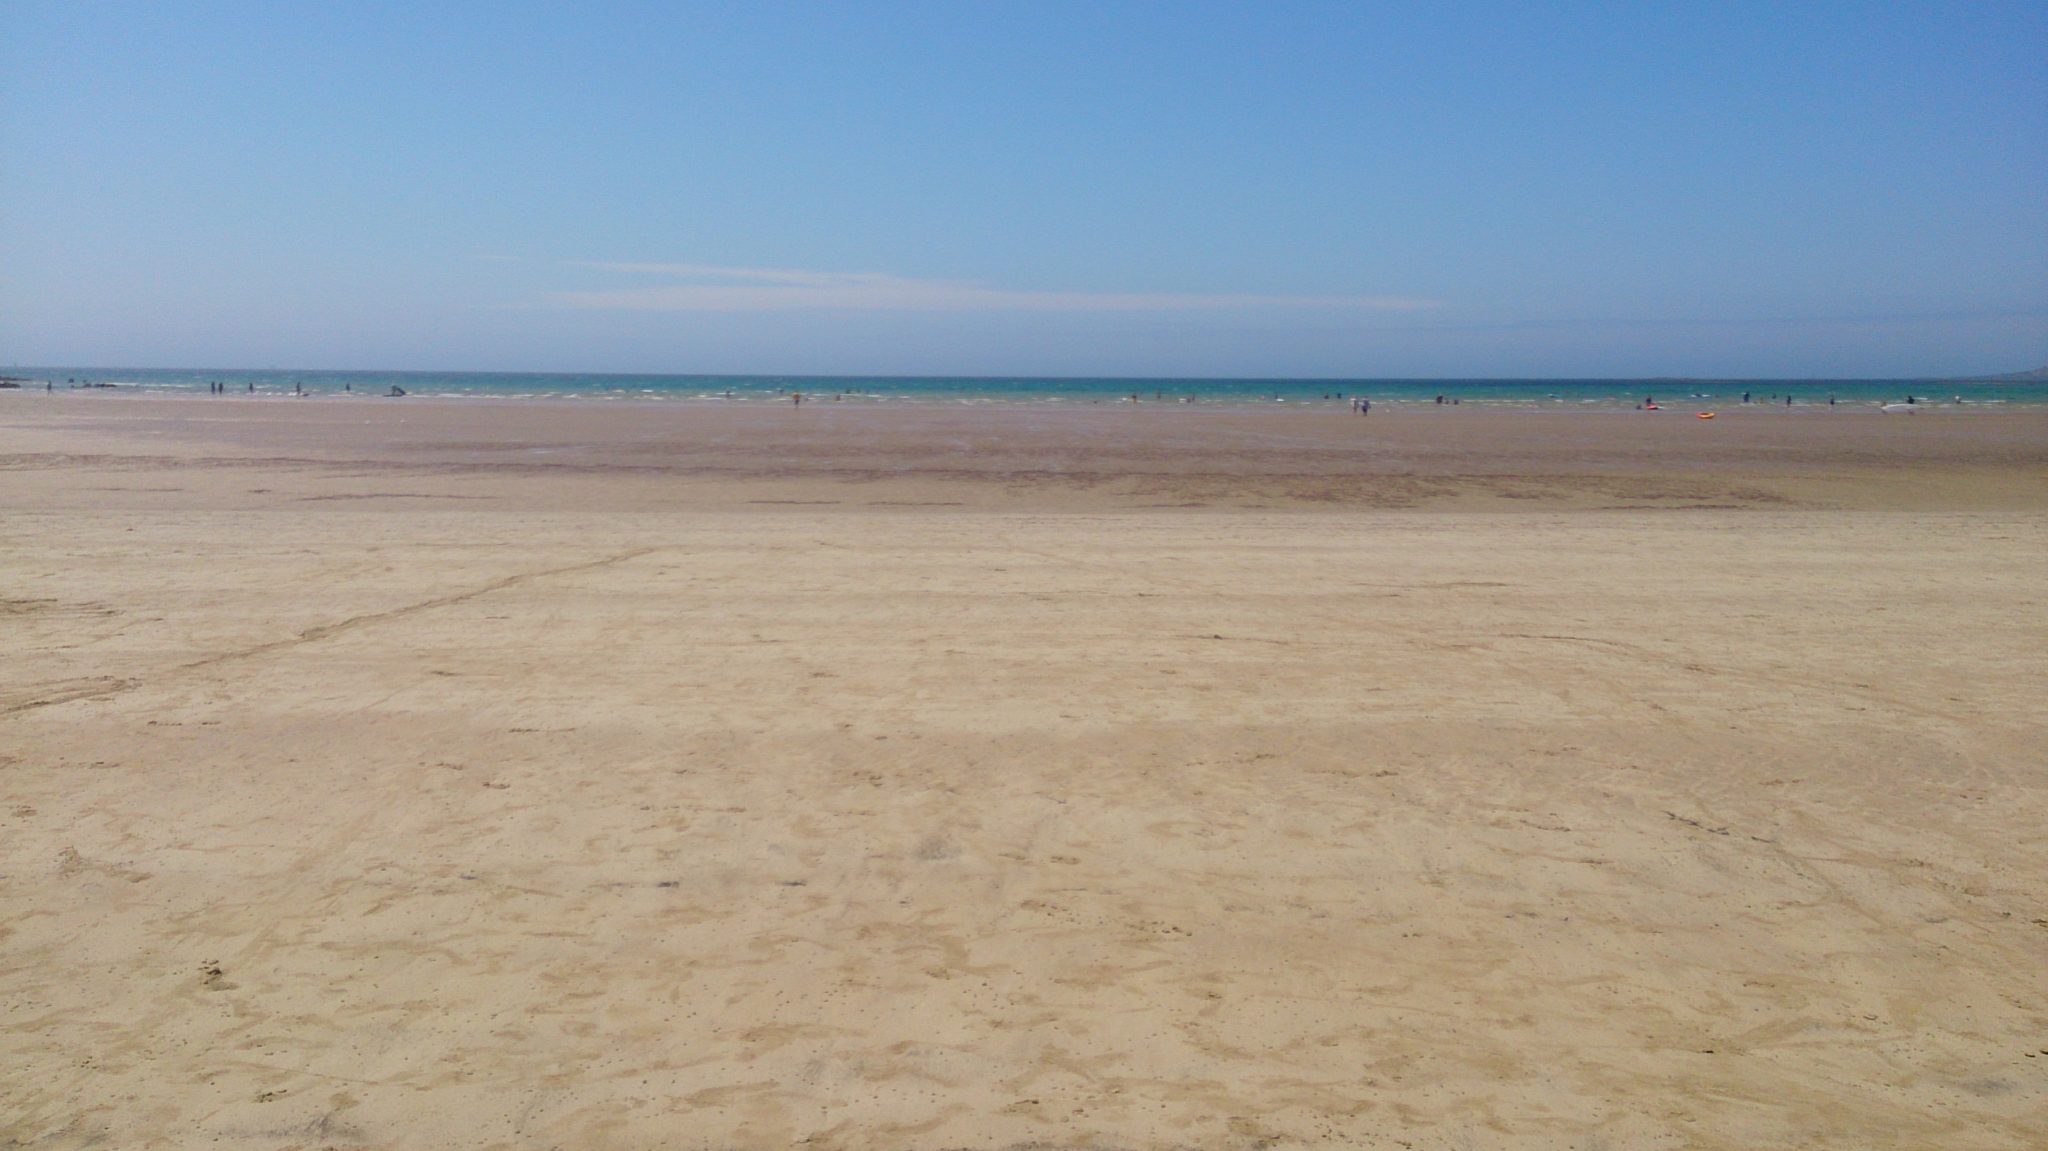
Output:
x=1520 y=394
x=1683 y=406
x=1065 y=457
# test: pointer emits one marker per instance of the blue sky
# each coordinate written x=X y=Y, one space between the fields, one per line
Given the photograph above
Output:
x=1151 y=189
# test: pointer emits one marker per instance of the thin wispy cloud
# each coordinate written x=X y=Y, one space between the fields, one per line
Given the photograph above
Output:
x=712 y=288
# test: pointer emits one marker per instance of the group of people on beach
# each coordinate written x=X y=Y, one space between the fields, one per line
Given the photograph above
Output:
x=796 y=399
x=220 y=388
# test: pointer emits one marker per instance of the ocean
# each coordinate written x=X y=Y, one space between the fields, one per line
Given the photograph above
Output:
x=1533 y=393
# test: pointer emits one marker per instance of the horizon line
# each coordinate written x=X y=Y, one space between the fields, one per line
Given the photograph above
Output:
x=2020 y=376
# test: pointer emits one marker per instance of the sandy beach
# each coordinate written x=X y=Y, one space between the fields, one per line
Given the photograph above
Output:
x=525 y=775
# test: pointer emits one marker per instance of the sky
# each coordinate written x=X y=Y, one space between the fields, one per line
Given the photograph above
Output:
x=1154 y=189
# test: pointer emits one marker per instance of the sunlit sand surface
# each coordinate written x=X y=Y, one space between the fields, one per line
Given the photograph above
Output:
x=399 y=775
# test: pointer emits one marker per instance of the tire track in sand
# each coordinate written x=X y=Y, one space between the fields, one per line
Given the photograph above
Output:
x=73 y=692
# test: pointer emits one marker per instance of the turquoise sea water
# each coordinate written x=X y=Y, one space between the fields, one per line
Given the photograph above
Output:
x=1021 y=390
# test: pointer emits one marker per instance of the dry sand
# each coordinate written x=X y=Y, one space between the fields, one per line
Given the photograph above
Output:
x=388 y=774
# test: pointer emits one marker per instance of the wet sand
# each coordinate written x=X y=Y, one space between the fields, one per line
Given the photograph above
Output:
x=587 y=456
x=387 y=774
